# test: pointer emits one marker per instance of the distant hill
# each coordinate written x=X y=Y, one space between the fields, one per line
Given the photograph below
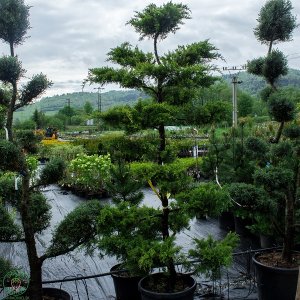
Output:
x=254 y=84
x=51 y=105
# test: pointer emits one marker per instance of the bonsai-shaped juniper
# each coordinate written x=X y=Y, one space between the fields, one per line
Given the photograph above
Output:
x=170 y=80
x=14 y=24
x=280 y=177
x=35 y=212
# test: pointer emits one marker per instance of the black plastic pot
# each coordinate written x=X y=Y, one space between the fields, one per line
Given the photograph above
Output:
x=187 y=294
x=241 y=226
x=266 y=241
x=226 y=221
x=275 y=283
x=126 y=288
x=57 y=294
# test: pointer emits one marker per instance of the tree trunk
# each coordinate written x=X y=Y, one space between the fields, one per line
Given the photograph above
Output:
x=279 y=132
x=155 y=49
x=288 y=244
x=165 y=233
x=10 y=112
x=35 y=264
x=270 y=47
x=162 y=142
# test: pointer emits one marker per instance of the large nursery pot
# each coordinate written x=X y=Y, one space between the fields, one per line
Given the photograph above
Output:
x=54 y=294
x=126 y=288
x=226 y=221
x=275 y=283
x=186 y=294
x=57 y=294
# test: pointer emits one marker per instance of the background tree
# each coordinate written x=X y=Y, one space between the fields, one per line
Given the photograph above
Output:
x=275 y=23
x=14 y=24
x=39 y=118
x=88 y=108
x=68 y=112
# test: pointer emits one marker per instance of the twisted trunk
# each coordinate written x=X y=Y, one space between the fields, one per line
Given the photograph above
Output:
x=35 y=264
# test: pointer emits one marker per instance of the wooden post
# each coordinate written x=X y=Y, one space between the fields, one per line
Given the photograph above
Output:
x=298 y=287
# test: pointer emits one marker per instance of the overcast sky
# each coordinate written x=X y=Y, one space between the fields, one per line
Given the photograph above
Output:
x=70 y=36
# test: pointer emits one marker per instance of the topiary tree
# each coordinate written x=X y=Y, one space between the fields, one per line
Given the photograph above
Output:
x=275 y=24
x=170 y=79
x=35 y=212
x=14 y=24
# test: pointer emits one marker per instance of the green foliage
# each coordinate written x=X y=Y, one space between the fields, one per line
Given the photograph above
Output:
x=158 y=253
x=157 y=22
x=213 y=255
x=171 y=178
x=10 y=69
x=256 y=148
x=266 y=93
x=292 y=131
x=89 y=171
x=275 y=22
x=245 y=105
x=127 y=231
x=8 y=194
x=67 y=152
x=248 y=199
x=9 y=229
x=122 y=117
x=77 y=228
x=11 y=159
x=34 y=88
x=270 y=67
x=122 y=186
x=256 y=66
x=274 y=179
x=281 y=108
x=28 y=140
x=52 y=172
x=143 y=170
x=88 y=108
x=14 y=21
x=39 y=212
x=5 y=267
x=206 y=199
x=275 y=65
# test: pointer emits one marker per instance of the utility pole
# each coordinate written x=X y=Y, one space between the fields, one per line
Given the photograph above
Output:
x=99 y=98
x=69 y=105
x=235 y=82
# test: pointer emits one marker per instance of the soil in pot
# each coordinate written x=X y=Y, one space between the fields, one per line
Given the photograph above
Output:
x=276 y=280
x=156 y=286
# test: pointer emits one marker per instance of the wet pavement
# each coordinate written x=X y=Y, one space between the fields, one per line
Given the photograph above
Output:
x=235 y=284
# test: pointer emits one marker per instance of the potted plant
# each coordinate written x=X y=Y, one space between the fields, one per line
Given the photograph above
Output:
x=34 y=211
x=119 y=229
x=188 y=200
x=277 y=272
x=212 y=256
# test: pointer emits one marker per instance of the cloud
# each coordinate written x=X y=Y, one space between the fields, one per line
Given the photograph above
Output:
x=70 y=36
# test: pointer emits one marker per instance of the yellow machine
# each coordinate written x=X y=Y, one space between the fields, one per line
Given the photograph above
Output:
x=49 y=134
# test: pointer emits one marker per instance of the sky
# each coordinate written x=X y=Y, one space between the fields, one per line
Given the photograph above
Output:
x=68 y=37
